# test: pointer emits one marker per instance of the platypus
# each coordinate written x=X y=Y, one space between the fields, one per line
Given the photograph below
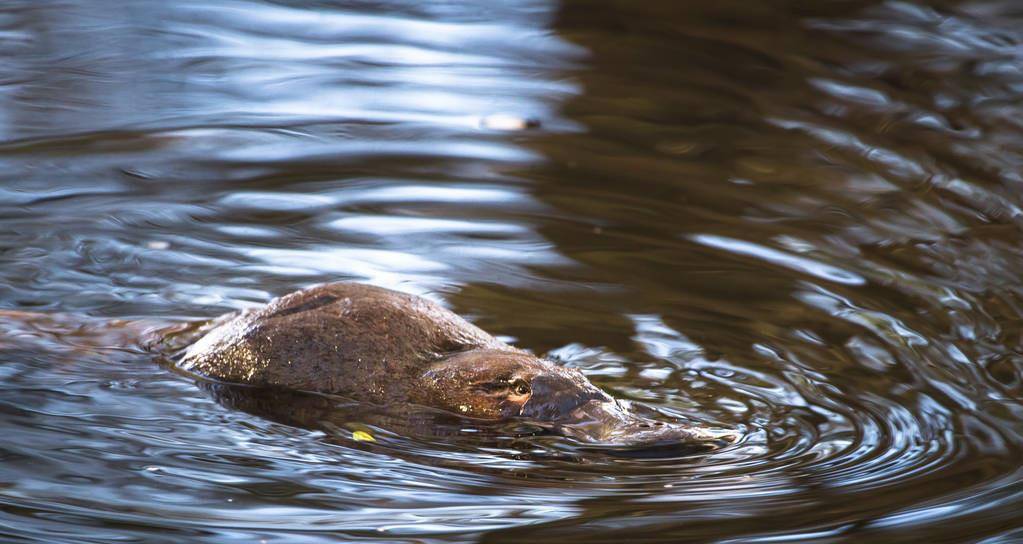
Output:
x=384 y=347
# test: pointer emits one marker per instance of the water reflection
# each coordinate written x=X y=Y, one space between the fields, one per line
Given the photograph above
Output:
x=797 y=220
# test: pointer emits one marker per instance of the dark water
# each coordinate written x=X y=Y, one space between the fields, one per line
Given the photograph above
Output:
x=801 y=220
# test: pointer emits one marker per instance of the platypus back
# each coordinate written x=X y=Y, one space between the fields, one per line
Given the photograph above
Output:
x=361 y=341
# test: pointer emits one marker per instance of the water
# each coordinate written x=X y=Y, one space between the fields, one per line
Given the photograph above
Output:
x=800 y=220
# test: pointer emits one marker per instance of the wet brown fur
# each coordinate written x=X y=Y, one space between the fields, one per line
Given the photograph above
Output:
x=364 y=342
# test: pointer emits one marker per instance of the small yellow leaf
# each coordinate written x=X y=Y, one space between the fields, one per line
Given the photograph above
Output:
x=363 y=436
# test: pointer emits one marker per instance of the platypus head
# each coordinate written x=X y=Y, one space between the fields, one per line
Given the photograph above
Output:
x=504 y=384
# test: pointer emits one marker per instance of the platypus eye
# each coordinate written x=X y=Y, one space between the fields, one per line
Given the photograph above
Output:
x=520 y=387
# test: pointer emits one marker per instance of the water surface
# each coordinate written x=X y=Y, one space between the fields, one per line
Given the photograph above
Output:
x=799 y=220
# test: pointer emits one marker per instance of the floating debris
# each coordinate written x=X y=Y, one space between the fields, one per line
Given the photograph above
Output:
x=363 y=436
x=502 y=121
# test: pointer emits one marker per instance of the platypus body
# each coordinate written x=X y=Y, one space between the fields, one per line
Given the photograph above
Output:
x=388 y=348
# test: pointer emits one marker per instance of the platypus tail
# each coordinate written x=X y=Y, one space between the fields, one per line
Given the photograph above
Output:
x=80 y=333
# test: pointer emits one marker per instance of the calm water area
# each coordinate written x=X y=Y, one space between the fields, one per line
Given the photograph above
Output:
x=801 y=220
